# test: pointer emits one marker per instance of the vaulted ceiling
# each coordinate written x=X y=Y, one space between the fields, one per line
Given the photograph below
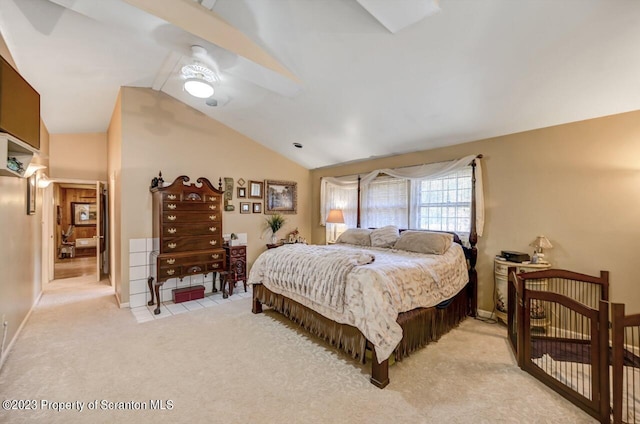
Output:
x=348 y=79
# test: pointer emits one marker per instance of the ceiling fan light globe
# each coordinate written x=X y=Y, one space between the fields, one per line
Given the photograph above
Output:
x=198 y=88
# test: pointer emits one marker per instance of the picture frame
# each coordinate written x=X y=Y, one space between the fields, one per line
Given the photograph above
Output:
x=245 y=207
x=31 y=195
x=242 y=192
x=255 y=189
x=84 y=214
x=257 y=207
x=280 y=197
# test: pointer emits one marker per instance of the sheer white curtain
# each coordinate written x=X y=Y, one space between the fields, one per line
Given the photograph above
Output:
x=339 y=193
x=386 y=202
x=413 y=173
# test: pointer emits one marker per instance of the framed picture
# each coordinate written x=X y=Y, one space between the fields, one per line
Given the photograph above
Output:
x=257 y=207
x=255 y=189
x=242 y=192
x=84 y=214
x=280 y=197
x=245 y=207
x=31 y=195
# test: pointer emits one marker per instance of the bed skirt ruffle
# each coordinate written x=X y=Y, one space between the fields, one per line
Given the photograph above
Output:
x=419 y=326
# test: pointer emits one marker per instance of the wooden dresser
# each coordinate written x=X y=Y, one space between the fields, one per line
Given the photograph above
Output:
x=187 y=224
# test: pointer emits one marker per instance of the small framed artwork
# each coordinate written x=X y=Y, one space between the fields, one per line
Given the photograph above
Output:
x=255 y=189
x=242 y=192
x=280 y=197
x=241 y=182
x=31 y=195
x=245 y=207
x=84 y=214
x=257 y=207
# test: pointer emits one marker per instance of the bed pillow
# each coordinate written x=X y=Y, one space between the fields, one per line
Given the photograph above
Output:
x=424 y=242
x=359 y=236
x=384 y=236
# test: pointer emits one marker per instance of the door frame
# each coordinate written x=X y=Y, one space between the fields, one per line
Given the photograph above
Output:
x=48 y=230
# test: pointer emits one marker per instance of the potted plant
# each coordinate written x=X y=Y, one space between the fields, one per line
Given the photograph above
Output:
x=274 y=223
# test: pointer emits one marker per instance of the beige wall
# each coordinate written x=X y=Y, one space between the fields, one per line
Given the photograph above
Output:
x=79 y=156
x=162 y=134
x=578 y=184
x=114 y=167
x=21 y=247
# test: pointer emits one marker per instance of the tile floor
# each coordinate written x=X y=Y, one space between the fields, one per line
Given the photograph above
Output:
x=167 y=309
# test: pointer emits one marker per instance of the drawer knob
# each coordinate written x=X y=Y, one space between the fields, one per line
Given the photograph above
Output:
x=171 y=271
x=216 y=256
x=213 y=229
x=212 y=199
x=215 y=265
x=213 y=242
x=172 y=245
x=171 y=197
x=213 y=207
x=171 y=205
x=172 y=217
x=212 y=217
x=172 y=230
x=171 y=261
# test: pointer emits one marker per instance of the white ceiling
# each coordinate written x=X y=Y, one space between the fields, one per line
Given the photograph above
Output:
x=473 y=70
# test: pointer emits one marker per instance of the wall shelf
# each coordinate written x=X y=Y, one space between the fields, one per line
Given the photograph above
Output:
x=11 y=147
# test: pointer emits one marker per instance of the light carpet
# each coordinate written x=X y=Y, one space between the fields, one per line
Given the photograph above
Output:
x=225 y=365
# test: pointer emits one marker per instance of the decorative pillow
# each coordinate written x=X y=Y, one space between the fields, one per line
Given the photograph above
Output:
x=424 y=242
x=359 y=236
x=385 y=236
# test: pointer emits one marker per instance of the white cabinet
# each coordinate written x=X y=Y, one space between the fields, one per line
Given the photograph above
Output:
x=501 y=274
x=15 y=150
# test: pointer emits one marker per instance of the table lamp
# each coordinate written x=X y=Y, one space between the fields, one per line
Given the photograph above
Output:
x=540 y=243
x=335 y=217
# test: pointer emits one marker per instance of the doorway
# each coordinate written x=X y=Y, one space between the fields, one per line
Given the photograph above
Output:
x=78 y=246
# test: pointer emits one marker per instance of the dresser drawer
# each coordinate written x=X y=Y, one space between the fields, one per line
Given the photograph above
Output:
x=171 y=196
x=185 y=260
x=181 y=244
x=215 y=266
x=169 y=272
x=501 y=269
x=237 y=251
x=190 y=206
x=194 y=196
x=198 y=229
x=169 y=218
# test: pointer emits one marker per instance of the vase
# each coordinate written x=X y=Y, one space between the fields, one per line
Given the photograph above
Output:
x=274 y=239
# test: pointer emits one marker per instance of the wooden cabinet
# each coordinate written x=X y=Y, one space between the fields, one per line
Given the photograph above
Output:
x=501 y=274
x=236 y=264
x=187 y=224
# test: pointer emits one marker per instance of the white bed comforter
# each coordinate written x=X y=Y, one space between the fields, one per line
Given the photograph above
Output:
x=368 y=296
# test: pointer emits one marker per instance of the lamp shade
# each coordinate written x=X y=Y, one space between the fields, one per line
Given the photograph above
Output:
x=541 y=242
x=335 y=217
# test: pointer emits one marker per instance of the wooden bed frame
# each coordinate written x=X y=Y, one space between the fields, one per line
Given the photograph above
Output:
x=419 y=326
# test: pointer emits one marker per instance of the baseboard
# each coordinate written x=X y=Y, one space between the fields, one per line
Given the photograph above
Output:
x=5 y=354
x=486 y=314
x=121 y=305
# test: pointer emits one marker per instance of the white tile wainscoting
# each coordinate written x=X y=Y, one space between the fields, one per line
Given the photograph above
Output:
x=139 y=271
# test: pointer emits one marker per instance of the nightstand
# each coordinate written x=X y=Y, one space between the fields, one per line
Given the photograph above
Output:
x=236 y=257
x=501 y=275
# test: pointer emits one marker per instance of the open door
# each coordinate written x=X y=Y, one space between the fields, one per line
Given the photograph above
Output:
x=102 y=245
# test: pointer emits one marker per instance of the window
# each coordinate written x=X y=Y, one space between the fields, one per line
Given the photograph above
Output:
x=387 y=203
x=445 y=203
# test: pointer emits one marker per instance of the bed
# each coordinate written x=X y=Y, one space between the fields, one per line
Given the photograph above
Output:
x=386 y=301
